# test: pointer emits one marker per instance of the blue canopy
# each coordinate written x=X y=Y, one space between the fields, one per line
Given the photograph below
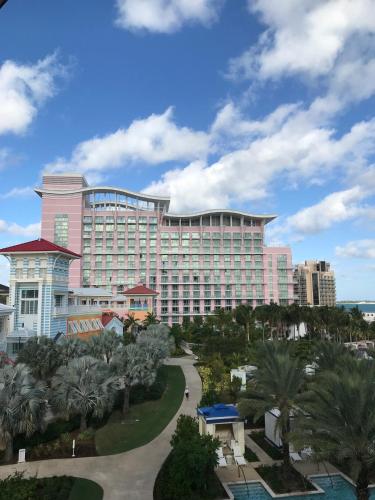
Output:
x=219 y=413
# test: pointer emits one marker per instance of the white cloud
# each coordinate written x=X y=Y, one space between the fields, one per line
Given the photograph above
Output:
x=165 y=16
x=23 y=89
x=289 y=146
x=153 y=140
x=360 y=249
x=31 y=230
x=18 y=192
x=306 y=37
x=334 y=208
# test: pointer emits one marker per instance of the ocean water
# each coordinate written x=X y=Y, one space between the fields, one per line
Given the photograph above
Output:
x=362 y=307
x=335 y=487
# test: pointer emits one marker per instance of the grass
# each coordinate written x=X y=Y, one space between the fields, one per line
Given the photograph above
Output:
x=250 y=455
x=261 y=441
x=84 y=489
x=273 y=476
x=144 y=421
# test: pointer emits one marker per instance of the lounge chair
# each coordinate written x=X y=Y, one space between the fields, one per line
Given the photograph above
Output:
x=295 y=457
x=220 y=456
x=238 y=457
x=240 y=460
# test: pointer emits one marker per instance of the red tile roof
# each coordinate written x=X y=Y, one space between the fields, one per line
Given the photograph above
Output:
x=39 y=245
x=107 y=319
x=140 y=290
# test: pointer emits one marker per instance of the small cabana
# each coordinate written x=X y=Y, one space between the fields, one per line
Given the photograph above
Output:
x=223 y=422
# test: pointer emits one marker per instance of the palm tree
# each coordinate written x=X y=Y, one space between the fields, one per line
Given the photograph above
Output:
x=150 y=319
x=261 y=315
x=158 y=342
x=104 y=346
x=22 y=404
x=131 y=324
x=70 y=348
x=295 y=317
x=329 y=354
x=41 y=355
x=132 y=365
x=277 y=384
x=84 y=387
x=244 y=316
x=341 y=422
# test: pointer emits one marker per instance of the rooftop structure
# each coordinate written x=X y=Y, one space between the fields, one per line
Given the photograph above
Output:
x=197 y=262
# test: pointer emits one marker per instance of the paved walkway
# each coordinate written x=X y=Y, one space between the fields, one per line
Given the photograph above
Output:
x=130 y=475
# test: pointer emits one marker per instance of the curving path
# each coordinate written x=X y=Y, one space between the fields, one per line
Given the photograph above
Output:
x=130 y=475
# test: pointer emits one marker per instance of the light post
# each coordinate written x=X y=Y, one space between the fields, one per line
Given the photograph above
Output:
x=73 y=447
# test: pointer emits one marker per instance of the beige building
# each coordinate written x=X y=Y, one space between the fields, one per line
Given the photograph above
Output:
x=315 y=284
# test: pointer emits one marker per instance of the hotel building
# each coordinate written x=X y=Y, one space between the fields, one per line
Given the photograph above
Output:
x=196 y=262
x=315 y=284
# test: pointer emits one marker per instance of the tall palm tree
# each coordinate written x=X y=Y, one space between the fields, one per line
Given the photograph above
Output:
x=104 y=346
x=71 y=348
x=341 y=422
x=132 y=365
x=329 y=354
x=157 y=341
x=84 y=387
x=41 y=355
x=277 y=384
x=150 y=319
x=130 y=323
x=261 y=315
x=22 y=404
x=244 y=316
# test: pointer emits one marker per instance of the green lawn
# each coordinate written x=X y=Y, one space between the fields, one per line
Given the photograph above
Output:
x=144 y=421
x=83 y=489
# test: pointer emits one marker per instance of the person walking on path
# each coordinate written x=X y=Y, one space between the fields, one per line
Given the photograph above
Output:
x=187 y=392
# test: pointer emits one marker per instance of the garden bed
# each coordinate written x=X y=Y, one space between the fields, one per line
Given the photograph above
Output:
x=62 y=447
x=279 y=483
x=250 y=455
x=51 y=488
x=267 y=447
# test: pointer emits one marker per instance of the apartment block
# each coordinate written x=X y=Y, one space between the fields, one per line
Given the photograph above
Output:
x=315 y=284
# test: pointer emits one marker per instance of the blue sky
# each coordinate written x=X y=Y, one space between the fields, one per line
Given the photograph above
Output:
x=261 y=105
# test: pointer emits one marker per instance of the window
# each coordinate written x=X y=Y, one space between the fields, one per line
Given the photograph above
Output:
x=29 y=301
x=59 y=300
x=61 y=230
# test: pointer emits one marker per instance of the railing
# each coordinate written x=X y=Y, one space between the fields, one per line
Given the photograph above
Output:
x=139 y=308
x=70 y=310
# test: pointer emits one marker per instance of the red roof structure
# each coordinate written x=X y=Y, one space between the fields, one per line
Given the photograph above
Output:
x=38 y=246
x=140 y=290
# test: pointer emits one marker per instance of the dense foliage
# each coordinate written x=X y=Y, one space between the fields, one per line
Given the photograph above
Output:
x=18 y=488
x=76 y=379
x=190 y=465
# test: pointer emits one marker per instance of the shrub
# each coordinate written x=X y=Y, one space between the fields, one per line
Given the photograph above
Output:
x=141 y=393
x=52 y=432
x=52 y=488
x=186 y=472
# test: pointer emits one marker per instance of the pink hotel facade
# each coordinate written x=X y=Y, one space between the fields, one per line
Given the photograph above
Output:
x=196 y=262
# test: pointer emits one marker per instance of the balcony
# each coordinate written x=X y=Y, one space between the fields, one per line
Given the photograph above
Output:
x=72 y=310
x=139 y=308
